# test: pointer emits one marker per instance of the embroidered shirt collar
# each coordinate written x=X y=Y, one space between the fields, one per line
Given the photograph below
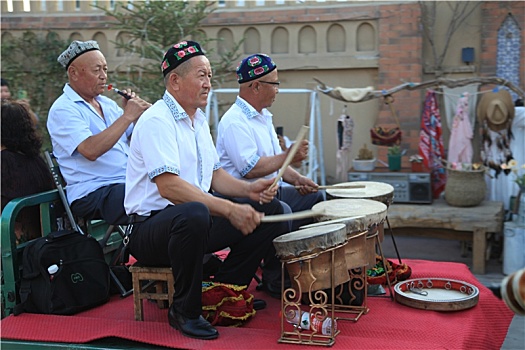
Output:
x=246 y=108
x=175 y=108
x=180 y=114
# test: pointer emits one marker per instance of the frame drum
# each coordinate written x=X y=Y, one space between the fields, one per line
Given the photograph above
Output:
x=373 y=211
x=356 y=229
x=306 y=255
x=377 y=191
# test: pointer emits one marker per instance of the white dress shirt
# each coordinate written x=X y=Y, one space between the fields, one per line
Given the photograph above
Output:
x=244 y=136
x=164 y=140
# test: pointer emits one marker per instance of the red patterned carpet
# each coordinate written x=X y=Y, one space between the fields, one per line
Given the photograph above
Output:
x=388 y=325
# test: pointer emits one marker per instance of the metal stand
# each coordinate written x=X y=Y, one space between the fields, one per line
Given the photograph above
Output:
x=393 y=240
x=356 y=284
x=377 y=230
x=348 y=295
x=320 y=331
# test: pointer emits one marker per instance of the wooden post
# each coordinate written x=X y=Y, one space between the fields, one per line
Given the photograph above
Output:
x=479 y=246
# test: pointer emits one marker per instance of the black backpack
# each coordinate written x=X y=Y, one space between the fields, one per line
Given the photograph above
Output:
x=63 y=273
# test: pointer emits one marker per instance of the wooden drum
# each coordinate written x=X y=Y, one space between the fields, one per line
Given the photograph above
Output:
x=308 y=258
x=356 y=229
x=377 y=191
x=374 y=213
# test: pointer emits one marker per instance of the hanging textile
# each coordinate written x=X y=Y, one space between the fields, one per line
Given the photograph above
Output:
x=460 y=143
x=345 y=128
x=431 y=143
x=383 y=136
x=451 y=97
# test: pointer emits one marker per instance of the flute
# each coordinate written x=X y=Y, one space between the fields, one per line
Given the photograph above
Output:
x=120 y=92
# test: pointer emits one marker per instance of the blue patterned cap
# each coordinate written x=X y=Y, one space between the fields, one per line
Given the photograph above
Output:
x=253 y=67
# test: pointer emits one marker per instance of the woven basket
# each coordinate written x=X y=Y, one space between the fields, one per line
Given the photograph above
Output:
x=465 y=188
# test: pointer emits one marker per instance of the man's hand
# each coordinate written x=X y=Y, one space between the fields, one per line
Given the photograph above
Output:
x=282 y=143
x=306 y=185
x=244 y=218
x=261 y=192
x=301 y=153
x=134 y=107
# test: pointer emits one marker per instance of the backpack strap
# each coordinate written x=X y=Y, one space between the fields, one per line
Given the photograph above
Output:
x=123 y=256
x=25 y=291
x=28 y=273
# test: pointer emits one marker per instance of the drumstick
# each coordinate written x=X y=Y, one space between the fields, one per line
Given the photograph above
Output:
x=291 y=154
x=335 y=187
x=292 y=216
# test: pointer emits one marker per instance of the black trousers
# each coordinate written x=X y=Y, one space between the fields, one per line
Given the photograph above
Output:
x=106 y=203
x=178 y=236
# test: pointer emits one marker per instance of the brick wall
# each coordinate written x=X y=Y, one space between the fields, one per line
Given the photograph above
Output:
x=400 y=49
x=400 y=61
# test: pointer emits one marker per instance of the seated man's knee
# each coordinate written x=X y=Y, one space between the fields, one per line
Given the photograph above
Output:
x=194 y=217
x=275 y=207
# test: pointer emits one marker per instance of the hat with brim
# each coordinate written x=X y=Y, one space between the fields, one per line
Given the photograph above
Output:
x=497 y=109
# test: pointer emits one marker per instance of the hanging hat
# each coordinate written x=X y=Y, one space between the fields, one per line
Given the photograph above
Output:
x=75 y=49
x=497 y=109
x=179 y=53
x=253 y=67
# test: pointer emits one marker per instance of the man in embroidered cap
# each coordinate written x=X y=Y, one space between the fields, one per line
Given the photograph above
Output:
x=172 y=181
x=90 y=135
x=249 y=149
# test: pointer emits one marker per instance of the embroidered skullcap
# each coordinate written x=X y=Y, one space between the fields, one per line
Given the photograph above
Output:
x=75 y=49
x=179 y=53
x=253 y=67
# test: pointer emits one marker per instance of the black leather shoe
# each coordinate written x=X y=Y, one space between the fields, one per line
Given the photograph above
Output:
x=194 y=328
x=259 y=304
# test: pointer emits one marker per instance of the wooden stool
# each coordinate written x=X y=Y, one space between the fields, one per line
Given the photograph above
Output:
x=154 y=275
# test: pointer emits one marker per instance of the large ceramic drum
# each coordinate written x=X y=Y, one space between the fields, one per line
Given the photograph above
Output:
x=378 y=191
x=307 y=254
x=374 y=213
x=356 y=229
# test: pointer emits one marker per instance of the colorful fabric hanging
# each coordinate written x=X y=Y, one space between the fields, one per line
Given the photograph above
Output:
x=460 y=143
x=431 y=143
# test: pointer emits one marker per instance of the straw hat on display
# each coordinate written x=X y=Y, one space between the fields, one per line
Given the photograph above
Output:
x=497 y=109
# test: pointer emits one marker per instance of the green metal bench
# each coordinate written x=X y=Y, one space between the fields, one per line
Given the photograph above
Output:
x=11 y=253
x=50 y=209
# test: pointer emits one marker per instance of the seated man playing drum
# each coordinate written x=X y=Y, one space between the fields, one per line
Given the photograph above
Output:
x=172 y=167
x=248 y=146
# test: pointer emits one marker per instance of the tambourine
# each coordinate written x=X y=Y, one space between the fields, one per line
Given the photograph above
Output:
x=439 y=294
